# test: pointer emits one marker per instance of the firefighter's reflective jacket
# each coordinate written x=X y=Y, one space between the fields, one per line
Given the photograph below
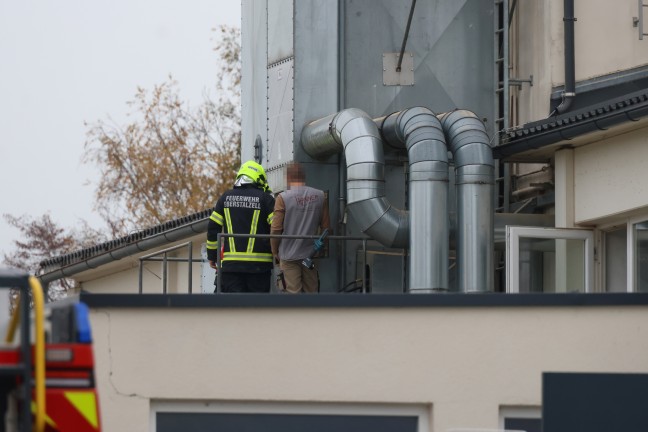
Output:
x=242 y=210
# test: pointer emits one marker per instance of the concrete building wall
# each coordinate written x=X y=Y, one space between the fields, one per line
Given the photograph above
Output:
x=605 y=42
x=464 y=364
x=609 y=177
x=122 y=276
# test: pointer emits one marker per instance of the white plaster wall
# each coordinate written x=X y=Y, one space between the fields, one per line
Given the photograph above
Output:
x=605 y=42
x=465 y=363
x=537 y=41
x=610 y=177
x=122 y=276
x=122 y=282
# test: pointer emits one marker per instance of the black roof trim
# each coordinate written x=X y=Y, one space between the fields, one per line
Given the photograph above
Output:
x=538 y=134
x=360 y=300
x=90 y=252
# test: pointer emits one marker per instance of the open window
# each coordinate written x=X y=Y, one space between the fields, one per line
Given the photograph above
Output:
x=638 y=254
x=549 y=260
x=626 y=256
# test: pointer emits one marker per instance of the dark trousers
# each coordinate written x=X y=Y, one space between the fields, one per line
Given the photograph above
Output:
x=241 y=282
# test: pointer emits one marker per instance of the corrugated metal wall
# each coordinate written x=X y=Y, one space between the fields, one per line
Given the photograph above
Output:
x=321 y=57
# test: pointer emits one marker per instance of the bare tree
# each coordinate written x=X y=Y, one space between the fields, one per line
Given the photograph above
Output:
x=170 y=160
x=44 y=239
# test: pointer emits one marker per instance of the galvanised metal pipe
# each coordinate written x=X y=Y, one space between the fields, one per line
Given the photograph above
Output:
x=355 y=133
x=419 y=130
x=475 y=179
x=569 y=93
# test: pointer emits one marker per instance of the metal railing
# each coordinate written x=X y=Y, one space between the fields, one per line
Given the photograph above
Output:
x=165 y=259
x=221 y=236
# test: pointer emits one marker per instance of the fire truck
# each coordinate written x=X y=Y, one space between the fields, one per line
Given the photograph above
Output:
x=46 y=373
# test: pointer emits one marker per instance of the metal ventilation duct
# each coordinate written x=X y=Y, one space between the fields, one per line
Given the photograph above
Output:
x=353 y=132
x=475 y=182
x=421 y=133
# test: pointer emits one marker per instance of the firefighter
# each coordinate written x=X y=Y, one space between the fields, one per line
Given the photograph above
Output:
x=246 y=263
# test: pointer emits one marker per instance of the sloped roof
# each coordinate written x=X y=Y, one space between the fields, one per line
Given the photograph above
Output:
x=131 y=239
x=627 y=108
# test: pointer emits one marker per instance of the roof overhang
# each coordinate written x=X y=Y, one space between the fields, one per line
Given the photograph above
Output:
x=538 y=141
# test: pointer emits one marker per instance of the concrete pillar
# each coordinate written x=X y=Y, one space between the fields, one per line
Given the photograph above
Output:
x=570 y=272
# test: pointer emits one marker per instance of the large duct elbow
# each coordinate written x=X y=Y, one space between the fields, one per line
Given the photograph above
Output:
x=419 y=130
x=475 y=180
x=355 y=133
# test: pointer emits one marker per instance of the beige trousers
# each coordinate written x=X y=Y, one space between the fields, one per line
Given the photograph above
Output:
x=299 y=278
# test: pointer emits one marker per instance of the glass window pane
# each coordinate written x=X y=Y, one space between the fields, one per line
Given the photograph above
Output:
x=552 y=265
x=616 y=260
x=549 y=259
x=641 y=256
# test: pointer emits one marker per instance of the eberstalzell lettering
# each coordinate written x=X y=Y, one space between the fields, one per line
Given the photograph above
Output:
x=241 y=201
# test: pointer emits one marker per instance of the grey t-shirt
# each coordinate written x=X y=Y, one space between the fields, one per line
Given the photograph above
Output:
x=303 y=217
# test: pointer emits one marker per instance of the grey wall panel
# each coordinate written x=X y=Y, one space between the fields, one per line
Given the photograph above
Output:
x=452 y=44
x=316 y=64
x=279 y=148
x=325 y=177
x=254 y=76
x=316 y=96
x=280 y=30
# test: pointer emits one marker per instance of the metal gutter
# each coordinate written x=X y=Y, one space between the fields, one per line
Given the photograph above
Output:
x=127 y=246
x=630 y=107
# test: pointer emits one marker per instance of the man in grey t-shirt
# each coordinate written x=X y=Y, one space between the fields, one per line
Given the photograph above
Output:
x=300 y=210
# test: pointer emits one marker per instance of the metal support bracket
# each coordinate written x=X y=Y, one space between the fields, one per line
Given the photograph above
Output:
x=392 y=77
x=518 y=82
x=638 y=21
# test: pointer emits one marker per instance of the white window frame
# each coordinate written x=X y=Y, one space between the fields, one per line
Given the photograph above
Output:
x=631 y=276
x=531 y=412
x=422 y=411
x=631 y=252
x=515 y=233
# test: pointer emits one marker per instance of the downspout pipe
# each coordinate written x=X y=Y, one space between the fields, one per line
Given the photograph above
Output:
x=353 y=132
x=569 y=92
x=419 y=130
x=475 y=183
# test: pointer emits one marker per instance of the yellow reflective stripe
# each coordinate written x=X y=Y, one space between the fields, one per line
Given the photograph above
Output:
x=270 y=217
x=228 y=221
x=269 y=260
x=242 y=256
x=212 y=244
x=216 y=217
x=86 y=404
x=253 y=230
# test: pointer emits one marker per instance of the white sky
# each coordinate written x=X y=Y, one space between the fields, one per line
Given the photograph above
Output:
x=64 y=62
